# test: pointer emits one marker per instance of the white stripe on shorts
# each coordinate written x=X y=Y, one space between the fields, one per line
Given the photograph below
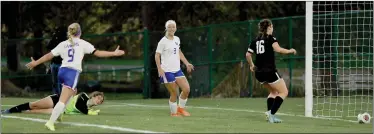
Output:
x=277 y=75
x=277 y=79
x=75 y=80
x=165 y=80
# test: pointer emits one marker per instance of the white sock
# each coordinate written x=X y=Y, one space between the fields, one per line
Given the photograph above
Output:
x=71 y=98
x=59 y=108
x=173 y=107
x=182 y=103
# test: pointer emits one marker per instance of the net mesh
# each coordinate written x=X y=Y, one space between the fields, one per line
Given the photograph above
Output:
x=342 y=58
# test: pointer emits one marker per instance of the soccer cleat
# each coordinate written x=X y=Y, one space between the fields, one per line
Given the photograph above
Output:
x=267 y=114
x=5 y=112
x=277 y=120
x=274 y=119
x=50 y=126
x=271 y=118
x=183 y=112
x=175 y=115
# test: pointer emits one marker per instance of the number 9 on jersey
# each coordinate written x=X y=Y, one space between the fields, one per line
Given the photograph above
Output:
x=71 y=55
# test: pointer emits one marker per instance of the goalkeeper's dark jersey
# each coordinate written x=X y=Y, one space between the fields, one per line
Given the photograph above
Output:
x=263 y=48
x=78 y=104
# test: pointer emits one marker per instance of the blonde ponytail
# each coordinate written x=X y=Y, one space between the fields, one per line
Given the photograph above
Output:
x=74 y=30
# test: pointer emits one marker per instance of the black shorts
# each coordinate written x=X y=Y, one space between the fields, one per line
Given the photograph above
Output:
x=55 y=99
x=267 y=77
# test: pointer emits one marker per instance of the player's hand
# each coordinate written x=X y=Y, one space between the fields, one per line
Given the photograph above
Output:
x=93 y=112
x=293 y=51
x=190 y=67
x=161 y=73
x=252 y=67
x=118 y=52
x=31 y=64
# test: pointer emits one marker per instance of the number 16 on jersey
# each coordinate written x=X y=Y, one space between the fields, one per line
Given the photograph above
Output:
x=260 y=48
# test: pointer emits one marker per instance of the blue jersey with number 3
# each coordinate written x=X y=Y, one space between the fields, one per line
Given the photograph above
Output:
x=72 y=52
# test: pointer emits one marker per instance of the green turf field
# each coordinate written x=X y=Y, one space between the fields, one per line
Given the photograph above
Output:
x=244 y=115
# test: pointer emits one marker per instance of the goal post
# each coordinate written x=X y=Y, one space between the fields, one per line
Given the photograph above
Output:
x=308 y=59
x=339 y=80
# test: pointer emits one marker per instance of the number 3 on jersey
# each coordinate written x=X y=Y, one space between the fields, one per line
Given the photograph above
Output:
x=260 y=48
x=71 y=54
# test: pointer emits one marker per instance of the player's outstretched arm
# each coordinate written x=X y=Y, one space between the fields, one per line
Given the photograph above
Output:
x=189 y=66
x=43 y=59
x=116 y=52
x=281 y=50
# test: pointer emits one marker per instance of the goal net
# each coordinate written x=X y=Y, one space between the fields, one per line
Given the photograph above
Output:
x=341 y=63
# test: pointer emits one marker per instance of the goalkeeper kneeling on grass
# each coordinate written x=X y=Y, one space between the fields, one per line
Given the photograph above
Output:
x=78 y=104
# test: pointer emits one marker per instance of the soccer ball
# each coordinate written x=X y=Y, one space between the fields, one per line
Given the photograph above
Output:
x=363 y=118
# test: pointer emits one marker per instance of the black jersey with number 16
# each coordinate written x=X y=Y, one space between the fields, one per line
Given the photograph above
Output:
x=263 y=48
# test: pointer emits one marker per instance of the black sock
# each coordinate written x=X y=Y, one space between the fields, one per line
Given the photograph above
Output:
x=277 y=103
x=270 y=103
x=20 y=108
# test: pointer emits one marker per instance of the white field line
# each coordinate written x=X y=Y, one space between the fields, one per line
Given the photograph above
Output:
x=8 y=105
x=84 y=125
x=225 y=109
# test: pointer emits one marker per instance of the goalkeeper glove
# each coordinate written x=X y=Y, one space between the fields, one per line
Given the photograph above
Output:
x=93 y=112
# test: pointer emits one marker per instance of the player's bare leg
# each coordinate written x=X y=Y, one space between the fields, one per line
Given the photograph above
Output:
x=172 y=88
x=44 y=103
x=60 y=106
x=282 y=90
x=185 y=87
